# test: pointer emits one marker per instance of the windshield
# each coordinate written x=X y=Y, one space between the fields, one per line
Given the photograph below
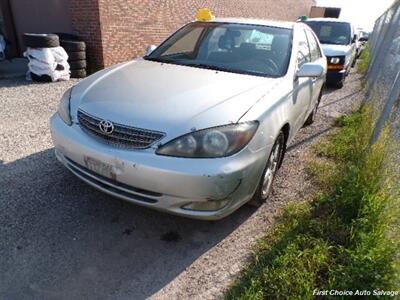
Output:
x=332 y=32
x=236 y=48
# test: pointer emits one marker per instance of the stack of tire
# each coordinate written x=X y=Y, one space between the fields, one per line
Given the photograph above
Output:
x=43 y=42
x=76 y=51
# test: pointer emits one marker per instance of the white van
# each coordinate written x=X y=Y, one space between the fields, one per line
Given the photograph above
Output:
x=338 y=40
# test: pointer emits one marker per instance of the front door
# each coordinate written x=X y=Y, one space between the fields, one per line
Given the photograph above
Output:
x=302 y=87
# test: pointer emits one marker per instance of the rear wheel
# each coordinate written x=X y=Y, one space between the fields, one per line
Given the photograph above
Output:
x=265 y=185
x=340 y=84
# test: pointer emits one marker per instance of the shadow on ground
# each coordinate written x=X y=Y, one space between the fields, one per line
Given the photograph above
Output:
x=61 y=239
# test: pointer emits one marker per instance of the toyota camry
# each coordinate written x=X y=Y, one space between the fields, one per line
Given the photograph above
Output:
x=199 y=126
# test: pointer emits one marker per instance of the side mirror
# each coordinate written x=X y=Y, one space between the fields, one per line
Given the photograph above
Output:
x=150 y=49
x=310 y=70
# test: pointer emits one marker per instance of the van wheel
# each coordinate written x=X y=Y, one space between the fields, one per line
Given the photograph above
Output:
x=265 y=185
x=340 y=84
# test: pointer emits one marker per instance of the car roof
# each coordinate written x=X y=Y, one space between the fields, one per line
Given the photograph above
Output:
x=248 y=21
x=334 y=20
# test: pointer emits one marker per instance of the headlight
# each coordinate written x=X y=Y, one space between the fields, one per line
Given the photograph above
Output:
x=335 y=60
x=212 y=142
x=64 y=107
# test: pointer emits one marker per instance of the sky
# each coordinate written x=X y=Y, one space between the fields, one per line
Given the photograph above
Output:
x=362 y=13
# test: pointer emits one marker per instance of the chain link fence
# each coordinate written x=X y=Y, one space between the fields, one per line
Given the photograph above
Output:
x=383 y=76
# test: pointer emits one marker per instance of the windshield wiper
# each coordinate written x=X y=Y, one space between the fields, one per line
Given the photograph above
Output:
x=209 y=67
x=160 y=60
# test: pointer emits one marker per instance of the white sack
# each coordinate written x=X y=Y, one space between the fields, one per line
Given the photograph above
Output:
x=59 y=54
x=44 y=61
x=42 y=54
x=41 y=68
x=60 y=75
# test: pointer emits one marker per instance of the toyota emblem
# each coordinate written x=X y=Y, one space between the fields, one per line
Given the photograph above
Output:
x=106 y=127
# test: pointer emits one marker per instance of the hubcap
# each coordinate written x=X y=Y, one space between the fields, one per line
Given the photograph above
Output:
x=272 y=166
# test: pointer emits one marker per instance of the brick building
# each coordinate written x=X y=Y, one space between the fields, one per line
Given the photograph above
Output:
x=118 y=30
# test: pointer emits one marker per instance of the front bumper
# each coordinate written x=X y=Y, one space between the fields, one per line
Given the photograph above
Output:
x=335 y=76
x=160 y=182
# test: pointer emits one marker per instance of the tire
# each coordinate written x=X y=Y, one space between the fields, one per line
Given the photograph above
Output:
x=311 y=118
x=73 y=46
x=40 y=78
x=339 y=84
x=79 y=55
x=35 y=40
x=78 y=73
x=275 y=157
x=67 y=36
x=77 y=64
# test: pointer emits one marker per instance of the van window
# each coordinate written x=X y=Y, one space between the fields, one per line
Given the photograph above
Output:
x=336 y=33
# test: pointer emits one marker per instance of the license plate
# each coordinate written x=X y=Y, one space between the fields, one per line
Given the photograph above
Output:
x=99 y=167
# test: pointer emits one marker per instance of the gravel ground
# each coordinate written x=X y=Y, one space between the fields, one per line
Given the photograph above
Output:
x=61 y=239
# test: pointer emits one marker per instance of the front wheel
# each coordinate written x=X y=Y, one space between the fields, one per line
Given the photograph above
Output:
x=265 y=185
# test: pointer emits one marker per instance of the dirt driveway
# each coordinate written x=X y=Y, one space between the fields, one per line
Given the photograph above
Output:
x=61 y=239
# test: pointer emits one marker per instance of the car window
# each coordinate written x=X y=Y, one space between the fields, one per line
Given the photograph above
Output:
x=314 y=47
x=237 y=48
x=336 y=33
x=186 y=44
x=303 y=55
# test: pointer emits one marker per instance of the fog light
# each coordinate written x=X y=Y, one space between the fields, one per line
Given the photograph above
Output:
x=211 y=205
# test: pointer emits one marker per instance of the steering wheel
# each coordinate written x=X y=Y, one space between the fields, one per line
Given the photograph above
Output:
x=271 y=65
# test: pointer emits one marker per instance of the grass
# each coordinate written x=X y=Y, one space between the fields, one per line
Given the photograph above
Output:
x=365 y=60
x=347 y=237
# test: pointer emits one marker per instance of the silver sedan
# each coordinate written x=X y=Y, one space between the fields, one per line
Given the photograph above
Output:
x=199 y=126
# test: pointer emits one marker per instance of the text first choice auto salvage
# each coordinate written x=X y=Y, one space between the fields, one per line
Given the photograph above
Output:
x=339 y=293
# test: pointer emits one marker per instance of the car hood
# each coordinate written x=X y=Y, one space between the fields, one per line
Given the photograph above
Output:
x=336 y=50
x=169 y=98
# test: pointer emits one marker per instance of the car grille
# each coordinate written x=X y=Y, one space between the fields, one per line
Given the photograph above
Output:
x=122 y=135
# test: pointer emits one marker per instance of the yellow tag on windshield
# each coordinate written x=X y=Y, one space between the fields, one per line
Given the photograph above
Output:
x=204 y=15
